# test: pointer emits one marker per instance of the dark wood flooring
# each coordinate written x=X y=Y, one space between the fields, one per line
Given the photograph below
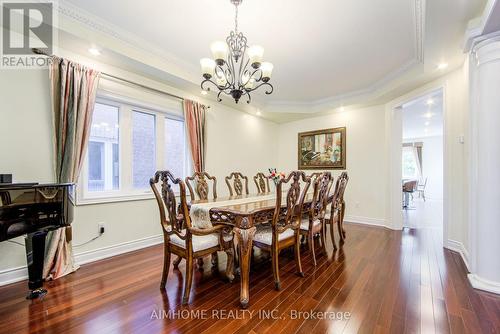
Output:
x=388 y=281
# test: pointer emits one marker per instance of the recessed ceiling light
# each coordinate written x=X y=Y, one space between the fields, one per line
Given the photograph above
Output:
x=95 y=51
x=204 y=92
x=258 y=113
x=430 y=102
x=442 y=66
x=342 y=108
x=428 y=115
x=427 y=123
x=426 y=130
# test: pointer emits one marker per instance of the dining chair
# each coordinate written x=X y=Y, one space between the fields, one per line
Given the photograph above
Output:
x=237 y=185
x=262 y=183
x=180 y=237
x=314 y=176
x=421 y=188
x=284 y=231
x=314 y=221
x=198 y=185
x=337 y=209
x=199 y=188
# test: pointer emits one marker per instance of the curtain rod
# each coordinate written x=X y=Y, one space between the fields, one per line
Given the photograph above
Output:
x=40 y=52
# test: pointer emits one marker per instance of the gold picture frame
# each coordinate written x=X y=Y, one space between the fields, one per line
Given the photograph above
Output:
x=322 y=149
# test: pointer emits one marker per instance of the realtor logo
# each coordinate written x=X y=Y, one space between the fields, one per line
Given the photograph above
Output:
x=26 y=25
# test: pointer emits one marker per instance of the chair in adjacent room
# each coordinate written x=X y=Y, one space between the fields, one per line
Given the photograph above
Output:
x=284 y=231
x=237 y=184
x=313 y=222
x=180 y=237
x=421 y=188
x=262 y=183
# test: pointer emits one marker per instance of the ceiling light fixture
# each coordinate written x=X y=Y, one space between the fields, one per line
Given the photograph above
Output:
x=427 y=123
x=258 y=113
x=442 y=66
x=430 y=102
x=342 y=109
x=428 y=115
x=236 y=69
x=94 y=51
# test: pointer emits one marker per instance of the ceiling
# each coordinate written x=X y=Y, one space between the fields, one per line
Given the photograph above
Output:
x=326 y=55
x=423 y=117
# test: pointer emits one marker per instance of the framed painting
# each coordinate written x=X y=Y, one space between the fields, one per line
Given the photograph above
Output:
x=322 y=149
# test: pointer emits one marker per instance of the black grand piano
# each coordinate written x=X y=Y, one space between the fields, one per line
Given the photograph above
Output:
x=33 y=209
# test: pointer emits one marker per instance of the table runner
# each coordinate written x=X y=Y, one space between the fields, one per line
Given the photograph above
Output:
x=199 y=212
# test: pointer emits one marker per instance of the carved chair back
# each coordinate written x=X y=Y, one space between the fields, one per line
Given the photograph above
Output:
x=198 y=184
x=314 y=177
x=296 y=186
x=322 y=186
x=172 y=221
x=262 y=183
x=237 y=187
x=338 y=195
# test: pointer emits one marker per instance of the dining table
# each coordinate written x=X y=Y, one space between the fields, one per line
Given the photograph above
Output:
x=243 y=213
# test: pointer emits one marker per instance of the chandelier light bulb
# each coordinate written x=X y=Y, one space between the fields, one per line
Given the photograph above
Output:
x=256 y=54
x=207 y=67
x=267 y=70
x=250 y=83
x=219 y=51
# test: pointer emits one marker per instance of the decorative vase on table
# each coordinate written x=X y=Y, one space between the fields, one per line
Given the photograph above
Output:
x=275 y=176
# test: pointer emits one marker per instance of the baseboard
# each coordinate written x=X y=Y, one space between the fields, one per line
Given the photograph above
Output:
x=459 y=247
x=109 y=251
x=366 y=221
x=13 y=275
x=483 y=284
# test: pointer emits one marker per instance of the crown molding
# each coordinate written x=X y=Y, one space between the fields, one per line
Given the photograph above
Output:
x=95 y=23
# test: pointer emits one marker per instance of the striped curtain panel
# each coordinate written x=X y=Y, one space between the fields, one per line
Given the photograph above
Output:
x=194 y=114
x=73 y=92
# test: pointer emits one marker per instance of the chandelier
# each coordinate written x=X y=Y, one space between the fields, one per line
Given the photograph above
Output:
x=236 y=69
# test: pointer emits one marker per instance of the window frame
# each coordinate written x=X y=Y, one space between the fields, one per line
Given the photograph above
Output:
x=126 y=191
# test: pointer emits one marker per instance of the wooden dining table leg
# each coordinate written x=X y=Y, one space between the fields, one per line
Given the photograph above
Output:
x=244 y=234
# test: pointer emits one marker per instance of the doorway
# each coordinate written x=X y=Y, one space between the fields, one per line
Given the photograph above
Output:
x=422 y=161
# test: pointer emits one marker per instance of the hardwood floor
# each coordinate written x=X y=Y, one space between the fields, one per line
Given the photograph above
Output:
x=387 y=281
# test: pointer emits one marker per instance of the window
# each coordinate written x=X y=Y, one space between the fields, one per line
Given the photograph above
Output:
x=103 y=149
x=410 y=169
x=143 y=145
x=128 y=143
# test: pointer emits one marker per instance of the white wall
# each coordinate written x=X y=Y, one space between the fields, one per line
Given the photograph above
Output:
x=432 y=165
x=366 y=158
x=236 y=141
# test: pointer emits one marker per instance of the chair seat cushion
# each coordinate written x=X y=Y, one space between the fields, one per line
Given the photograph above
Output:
x=264 y=235
x=304 y=225
x=200 y=242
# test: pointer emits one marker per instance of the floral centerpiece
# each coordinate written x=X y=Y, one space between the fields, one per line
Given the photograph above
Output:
x=275 y=176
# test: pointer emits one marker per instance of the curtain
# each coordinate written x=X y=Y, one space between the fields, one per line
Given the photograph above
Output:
x=418 y=161
x=194 y=114
x=73 y=92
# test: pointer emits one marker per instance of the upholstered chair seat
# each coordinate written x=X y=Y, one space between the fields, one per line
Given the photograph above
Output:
x=200 y=242
x=304 y=225
x=265 y=235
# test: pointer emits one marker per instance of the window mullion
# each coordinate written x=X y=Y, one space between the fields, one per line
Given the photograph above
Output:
x=126 y=148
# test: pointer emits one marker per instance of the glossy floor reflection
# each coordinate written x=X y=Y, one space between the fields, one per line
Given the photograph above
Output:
x=386 y=281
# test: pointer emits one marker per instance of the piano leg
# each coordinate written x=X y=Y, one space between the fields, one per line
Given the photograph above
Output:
x=35 y=253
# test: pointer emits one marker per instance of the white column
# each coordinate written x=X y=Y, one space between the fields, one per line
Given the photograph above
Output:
x=485 y=180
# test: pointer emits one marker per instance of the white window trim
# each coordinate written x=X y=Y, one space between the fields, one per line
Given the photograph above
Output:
x=126 y=191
